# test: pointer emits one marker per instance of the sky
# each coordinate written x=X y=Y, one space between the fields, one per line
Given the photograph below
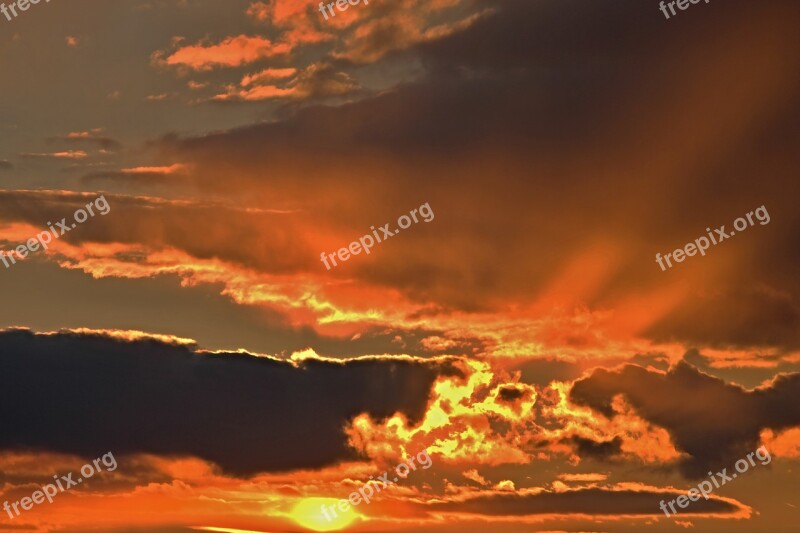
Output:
x=527 y=265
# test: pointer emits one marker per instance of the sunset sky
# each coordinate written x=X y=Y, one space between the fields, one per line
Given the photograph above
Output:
x=523 y=332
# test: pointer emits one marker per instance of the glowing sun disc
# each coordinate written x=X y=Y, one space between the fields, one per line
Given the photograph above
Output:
x=308 y=513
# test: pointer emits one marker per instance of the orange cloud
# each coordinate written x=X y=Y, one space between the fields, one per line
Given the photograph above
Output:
x=231 y=52
x=171 y=169
x=262 y=92
x=782 y=444
x=315 y=81
x=457 y=426
x=269 y=74
x=356 y=35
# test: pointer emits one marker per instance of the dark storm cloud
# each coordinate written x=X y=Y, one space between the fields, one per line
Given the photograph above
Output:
x=740 y=316
x=594 y=501
x=85 y=394
x=595 y=120
x=589 y=123
x=5 y=165
x=714 y=422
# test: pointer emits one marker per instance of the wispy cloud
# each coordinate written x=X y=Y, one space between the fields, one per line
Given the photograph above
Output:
x=94 y=137
x=70 y=154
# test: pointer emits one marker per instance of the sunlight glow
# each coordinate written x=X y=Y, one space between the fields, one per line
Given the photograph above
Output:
x=308 y=513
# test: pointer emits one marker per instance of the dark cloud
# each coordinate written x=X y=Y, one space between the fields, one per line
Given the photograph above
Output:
x=5 y=165
x=595 y=501
x=572 y=118
x=746 y=376
x=510 y=394
x=752 y=315
x=85 y=395
x=526 y=148
x=600 y=450
x=714 y=422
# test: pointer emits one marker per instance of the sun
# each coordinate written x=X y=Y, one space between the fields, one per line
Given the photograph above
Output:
x=308 y=513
